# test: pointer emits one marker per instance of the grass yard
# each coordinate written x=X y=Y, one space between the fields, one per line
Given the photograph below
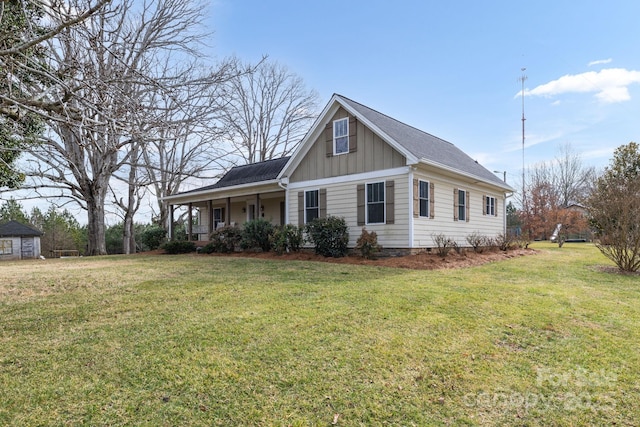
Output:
x=541 y=340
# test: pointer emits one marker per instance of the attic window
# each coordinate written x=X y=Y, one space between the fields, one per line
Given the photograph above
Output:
x=341 y=136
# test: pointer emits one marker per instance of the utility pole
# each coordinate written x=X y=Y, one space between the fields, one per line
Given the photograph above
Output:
x=522 y=80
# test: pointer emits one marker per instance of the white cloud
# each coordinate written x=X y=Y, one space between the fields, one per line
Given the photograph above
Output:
x=609 y=85
x=599 y=62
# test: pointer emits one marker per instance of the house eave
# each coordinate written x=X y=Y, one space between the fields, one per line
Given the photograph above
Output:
x=501 y=185
x=199 y=196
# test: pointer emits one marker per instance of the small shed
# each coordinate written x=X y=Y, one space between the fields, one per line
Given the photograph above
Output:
x=19 y=241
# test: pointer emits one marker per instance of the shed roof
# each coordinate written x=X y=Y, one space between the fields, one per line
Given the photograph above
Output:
x=17 y=229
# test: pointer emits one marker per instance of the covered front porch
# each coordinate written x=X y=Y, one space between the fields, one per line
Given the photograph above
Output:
x=243 y=194
x=205 y=216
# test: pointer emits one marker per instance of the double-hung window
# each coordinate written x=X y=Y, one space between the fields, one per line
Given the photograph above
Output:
x=462 y=205
x=311 y=206
x=341 y=136
x=375 y=203
x=423 y=197
x=490 y=206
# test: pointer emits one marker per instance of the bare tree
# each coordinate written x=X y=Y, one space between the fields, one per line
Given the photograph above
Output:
x=573 y=178
x=110 y=63
x=552 y=187
x=183 y=142
x=25 y=76
x=268 y=113
x=130 y=203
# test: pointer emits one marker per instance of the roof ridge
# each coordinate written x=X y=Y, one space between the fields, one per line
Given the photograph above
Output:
x=394 y=119
x=262 y=162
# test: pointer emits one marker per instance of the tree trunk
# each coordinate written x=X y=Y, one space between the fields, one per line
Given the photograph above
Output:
x=129 y=237
x=97 y=244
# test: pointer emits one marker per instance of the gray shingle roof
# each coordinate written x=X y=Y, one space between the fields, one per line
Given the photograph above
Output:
x=246 y=174
x=16 y=229
x=423 y=145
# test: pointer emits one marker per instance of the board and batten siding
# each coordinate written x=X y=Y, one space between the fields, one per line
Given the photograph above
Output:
x=443 y=218
x=341 y=201
x=370 y=153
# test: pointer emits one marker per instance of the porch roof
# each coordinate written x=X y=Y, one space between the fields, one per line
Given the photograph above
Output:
x=241 y=177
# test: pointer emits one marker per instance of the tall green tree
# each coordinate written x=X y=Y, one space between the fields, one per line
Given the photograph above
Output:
x=11 y=210
x=61 y=230
x=614 y=208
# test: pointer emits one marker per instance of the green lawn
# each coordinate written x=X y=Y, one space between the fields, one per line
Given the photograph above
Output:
x=547 y=339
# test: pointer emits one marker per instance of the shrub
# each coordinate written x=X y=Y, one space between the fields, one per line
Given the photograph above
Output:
x=456 y=247
x=489 y=243
x=476 y=241
x=443 y=244
x=367 y=244
x=179 y=247
x=329 y=235
x=286 y=238
x=255 y=235
x=225 y=239
x=521 y=241
x=209 y=248
x=153 y=236
x=504 y=241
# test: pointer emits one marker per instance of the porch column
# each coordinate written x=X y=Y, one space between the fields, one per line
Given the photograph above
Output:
x=257 y=206
x=190 y=222
x=210 y=210
x=228 y=212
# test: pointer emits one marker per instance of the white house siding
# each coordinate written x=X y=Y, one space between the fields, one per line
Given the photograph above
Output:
x=342 y=202
x=443 y=221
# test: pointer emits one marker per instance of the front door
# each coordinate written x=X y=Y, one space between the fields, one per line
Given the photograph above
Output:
x=27 y=247
x=218 y=217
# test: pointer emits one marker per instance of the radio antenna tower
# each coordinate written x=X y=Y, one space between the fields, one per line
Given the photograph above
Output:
x=522 y=80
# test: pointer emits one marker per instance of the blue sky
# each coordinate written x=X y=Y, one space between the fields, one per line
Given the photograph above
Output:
x=452 y=68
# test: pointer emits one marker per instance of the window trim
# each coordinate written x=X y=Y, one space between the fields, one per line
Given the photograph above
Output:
x=317 y=191
x=462 y=207
x=346 y=136
x=420 y=199
x=367 y=202
x=490 y=208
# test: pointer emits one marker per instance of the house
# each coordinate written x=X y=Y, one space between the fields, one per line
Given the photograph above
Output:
x=372 y=170
x=19 y=241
